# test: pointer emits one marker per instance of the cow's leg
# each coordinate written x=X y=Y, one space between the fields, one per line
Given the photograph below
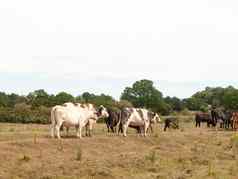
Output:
x=208 y=124
x=86 y=130
x=112 y=128
x=108 y=128
x=52 y=129
x=140 y=130
x=90 y=128
x=124 y=128
x=67 y=131
x=151 y=129
x=119 y=128
x=221 y=124
x=57 y=129
x=165 y=126
x=79 y=132
x=146 y=126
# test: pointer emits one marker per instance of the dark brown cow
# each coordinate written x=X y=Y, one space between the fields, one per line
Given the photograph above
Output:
x=113 y=120
x=204 y=117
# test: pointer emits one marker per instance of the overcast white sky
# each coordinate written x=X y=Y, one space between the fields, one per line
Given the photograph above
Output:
x=104 y=46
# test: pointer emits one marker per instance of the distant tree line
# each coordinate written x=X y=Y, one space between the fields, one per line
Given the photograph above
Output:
x=35 y=107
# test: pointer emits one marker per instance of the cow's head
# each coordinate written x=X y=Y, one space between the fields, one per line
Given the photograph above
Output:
x=154 y=117
x=102 y=112
x=157 y=118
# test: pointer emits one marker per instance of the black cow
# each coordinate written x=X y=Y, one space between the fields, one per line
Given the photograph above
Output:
x=204 y=117
x=113 y=120
x=226 y=117
x=171 y=122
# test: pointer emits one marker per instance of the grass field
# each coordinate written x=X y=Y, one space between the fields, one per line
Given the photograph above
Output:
x=27 y=152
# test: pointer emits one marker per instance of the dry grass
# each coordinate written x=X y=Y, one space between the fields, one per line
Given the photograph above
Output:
x=27 y=152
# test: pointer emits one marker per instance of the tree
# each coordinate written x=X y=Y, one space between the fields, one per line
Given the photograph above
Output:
x=16 y=99
x=175 y=103
x=218 y=97
x=3 y=99
x=195 y=104
x=63 y=97
x=230 y=99
x=38 y=98
x=87 y=97
x=144 y=94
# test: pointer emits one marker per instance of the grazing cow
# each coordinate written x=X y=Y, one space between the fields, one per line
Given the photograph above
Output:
x=137 y=118
x=77 y=115
x=113 y=120
x=204 y=117
x=172 y=121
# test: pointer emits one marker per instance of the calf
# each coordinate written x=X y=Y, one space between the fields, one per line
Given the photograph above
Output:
x=172 y=121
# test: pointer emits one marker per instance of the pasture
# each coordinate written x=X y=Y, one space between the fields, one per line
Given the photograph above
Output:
x=27 y=152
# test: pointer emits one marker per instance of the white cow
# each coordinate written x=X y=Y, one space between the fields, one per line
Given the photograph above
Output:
x=89 y=125
x=137 y=117
x=77 y=115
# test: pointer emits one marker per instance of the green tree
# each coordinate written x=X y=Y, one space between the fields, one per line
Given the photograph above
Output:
x=195 y=104
x=38 y=98
x=63 y=97
x=88 y=97
x=230 y=99
x=16 y=99
x=175 y=103
x=4 y=100
x=144 y=94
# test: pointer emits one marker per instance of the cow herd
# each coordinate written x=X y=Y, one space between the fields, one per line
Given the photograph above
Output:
x=85 y=115
x=81 y=116
x=220 y=119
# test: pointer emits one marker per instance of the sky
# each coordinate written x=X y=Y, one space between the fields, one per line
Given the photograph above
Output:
x=104 y=46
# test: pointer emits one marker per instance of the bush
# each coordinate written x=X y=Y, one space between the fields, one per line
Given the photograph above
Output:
x=23 y=114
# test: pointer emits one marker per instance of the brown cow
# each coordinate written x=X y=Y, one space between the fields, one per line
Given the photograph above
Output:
x=235 y=120
x=204 y=117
